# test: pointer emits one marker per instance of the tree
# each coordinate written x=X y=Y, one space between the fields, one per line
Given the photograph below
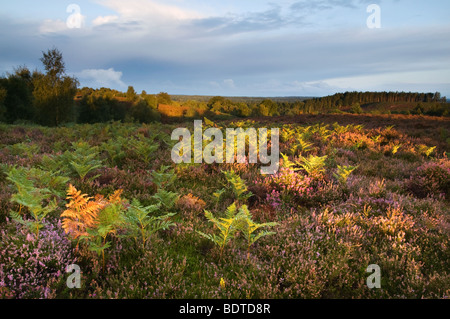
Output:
x=54 y=91
x=271 y=106
x=3 y=93
x=143 y=113
x=131 y=94
x=356 y=108
x=18 y=100
x=163 y=98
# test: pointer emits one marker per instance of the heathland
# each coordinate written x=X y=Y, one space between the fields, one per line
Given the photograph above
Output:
x=352 y=191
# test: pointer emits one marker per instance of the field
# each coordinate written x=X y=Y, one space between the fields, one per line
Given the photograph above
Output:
x=352 y=191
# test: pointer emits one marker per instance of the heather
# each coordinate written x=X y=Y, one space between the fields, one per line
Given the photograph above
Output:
x=349 y=193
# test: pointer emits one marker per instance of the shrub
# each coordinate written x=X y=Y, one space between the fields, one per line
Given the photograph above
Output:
x=431 y=179
x=30 y=267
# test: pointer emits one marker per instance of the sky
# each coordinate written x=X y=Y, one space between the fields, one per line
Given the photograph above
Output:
x=236 y=47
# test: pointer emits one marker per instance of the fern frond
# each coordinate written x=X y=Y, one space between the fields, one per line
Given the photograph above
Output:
x=81 y=213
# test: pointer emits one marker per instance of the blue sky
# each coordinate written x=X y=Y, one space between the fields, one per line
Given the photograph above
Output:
x=236 y=48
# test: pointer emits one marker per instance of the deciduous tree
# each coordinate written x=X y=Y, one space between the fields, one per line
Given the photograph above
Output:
x=54 y=91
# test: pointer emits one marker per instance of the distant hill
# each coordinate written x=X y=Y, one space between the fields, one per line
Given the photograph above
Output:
x=239 y=99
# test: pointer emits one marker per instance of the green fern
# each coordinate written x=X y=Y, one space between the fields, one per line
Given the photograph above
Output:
x=287 y=163
x=78 y=162
x=430 y=151
x=166 y=198
x=29 y=150
x=141 y=221
x=163 y=177
x=252 y=231
x=313 y=165
x=238 y=186
x=227 y=226
x=144 y=148
x=35 y=200
x=300 y=145
x=343 y=173
x=115 y=150
x=395 y=148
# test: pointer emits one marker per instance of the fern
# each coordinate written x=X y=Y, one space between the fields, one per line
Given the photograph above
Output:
x=429 y=150
x=35 y=200
x=166 y=198
x=238 y=186
x=115 y=150
x=142 y=223
x=80 y=161
x=395 y=148
x=376 y=139
x=300 y=145
x=29 y=150
x=144 y=148
x=36 y=177
x=313 y=165
x=288 y=164
x=340 y=129
x=93 y=220
x=343 y=173
x=81 y=213
x=83 y=159
x=286 y=134
x=163 y=177
x=322 y=131
x=227 y=227
x=218 y=195
x=252 y=231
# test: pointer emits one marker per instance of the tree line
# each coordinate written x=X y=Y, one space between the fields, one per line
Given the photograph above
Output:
x=53 y=98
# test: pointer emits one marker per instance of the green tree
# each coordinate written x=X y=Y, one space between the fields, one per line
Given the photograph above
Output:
x=131 y=94
x=143 y=113
x=18 y=99
x=54 y=91
x=3 y=93
x=271 y=106
x=163 y=98
x=263 y=110
x=356 y=108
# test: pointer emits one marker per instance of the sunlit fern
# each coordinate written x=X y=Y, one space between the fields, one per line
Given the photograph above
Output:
x=238 y=186
x=227 y=226
x=81 y=213
x=343 y=173
x=313 y=165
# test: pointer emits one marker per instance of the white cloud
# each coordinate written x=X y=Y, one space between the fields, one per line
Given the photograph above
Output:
x=101 y=77
x=104 y=20
x=229 y=83
x=74 y=21
x=52 y=26
x=149 y=12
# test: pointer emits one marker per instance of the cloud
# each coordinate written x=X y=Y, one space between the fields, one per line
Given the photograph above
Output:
x=53 y=26
x=101 y=78
x=269 y=19
x=146 y=15
x=229 y=83
x=144 y=9
x=257 y=52
x=105 y=20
